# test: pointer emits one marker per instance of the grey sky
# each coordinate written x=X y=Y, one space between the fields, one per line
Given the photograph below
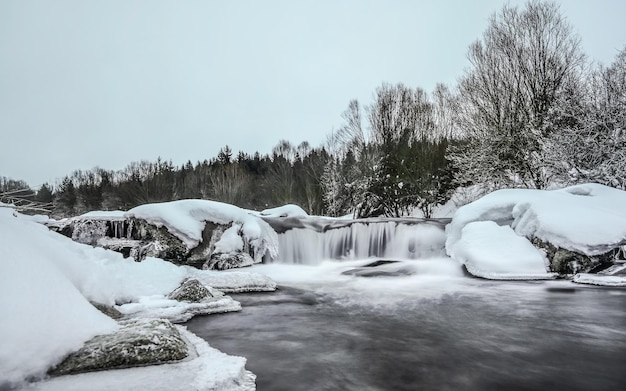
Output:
x=103 y=83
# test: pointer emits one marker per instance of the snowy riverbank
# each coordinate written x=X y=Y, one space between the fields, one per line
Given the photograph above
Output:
x=47 y=282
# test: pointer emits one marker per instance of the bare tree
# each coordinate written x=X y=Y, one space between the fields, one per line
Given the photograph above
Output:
x=518 y=71
x=591 y=116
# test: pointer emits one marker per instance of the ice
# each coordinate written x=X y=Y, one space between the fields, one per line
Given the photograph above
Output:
x=160 y=307
x=496 y=252
x=601 y=280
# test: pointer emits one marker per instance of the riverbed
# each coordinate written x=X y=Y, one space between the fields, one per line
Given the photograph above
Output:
x=437 y=331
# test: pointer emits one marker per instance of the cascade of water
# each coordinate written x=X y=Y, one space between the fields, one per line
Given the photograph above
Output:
x=383 y=238
x=120 y=229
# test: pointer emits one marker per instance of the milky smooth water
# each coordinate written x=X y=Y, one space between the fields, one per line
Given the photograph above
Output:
x=472 y=335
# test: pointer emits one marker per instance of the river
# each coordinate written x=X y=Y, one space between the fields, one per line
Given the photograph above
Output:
x=442 y=331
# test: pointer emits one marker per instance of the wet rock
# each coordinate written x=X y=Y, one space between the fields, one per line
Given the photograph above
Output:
x=210 y=235
x=221 y=261
x=565 y=261
x=381 y=268
x=108 y=310
x=190 y=290
x=159 y=243
x=137 y=342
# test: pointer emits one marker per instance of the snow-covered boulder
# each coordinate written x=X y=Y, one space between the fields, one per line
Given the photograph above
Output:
x=222 y=261
x=586 y=219
x=190 y=290
x=186 y=219
x=137 y=342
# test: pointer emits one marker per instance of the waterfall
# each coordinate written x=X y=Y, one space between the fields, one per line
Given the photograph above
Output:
x=119 y=228
x=310 y=240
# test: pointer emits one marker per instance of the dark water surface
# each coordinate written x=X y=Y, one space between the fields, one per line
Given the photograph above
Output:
x=537 y=337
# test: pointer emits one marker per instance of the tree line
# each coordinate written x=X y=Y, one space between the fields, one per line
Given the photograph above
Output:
x=531 y=111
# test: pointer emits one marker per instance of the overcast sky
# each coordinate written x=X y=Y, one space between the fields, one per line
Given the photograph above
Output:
x=103 y=83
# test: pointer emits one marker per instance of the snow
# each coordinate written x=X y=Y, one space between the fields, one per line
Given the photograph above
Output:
x=589 y=218
x=230 y=281
x=186 y=220
x=230 y=241
x=104 y=214
x=158 y=306
x=209 y=369
x=288 y=210
x=496 y=252
x=46 y=280
x=44 y=315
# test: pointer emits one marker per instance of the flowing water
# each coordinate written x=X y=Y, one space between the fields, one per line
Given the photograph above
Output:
x=419 y=324
x=475 y=335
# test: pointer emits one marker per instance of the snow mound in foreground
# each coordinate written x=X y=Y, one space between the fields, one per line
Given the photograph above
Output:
x=44 y=315
x=589 y=219
x=46 y=280
x=495 y=252
x=186 y=220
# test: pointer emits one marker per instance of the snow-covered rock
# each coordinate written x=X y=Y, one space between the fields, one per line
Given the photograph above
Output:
x=590 y=218
x=219 y=261
x=136 y=342
x=186 y=219
x=206 y=369
x=234 y=281
x=587 y=219
x=190 y=290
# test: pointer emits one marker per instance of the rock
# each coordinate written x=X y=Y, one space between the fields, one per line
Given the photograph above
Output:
x=565 y=261
x=221 y=261
x=190 y=290
x=211 y=234
x=137 y=342
x=109 y=311
x=381 y=268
